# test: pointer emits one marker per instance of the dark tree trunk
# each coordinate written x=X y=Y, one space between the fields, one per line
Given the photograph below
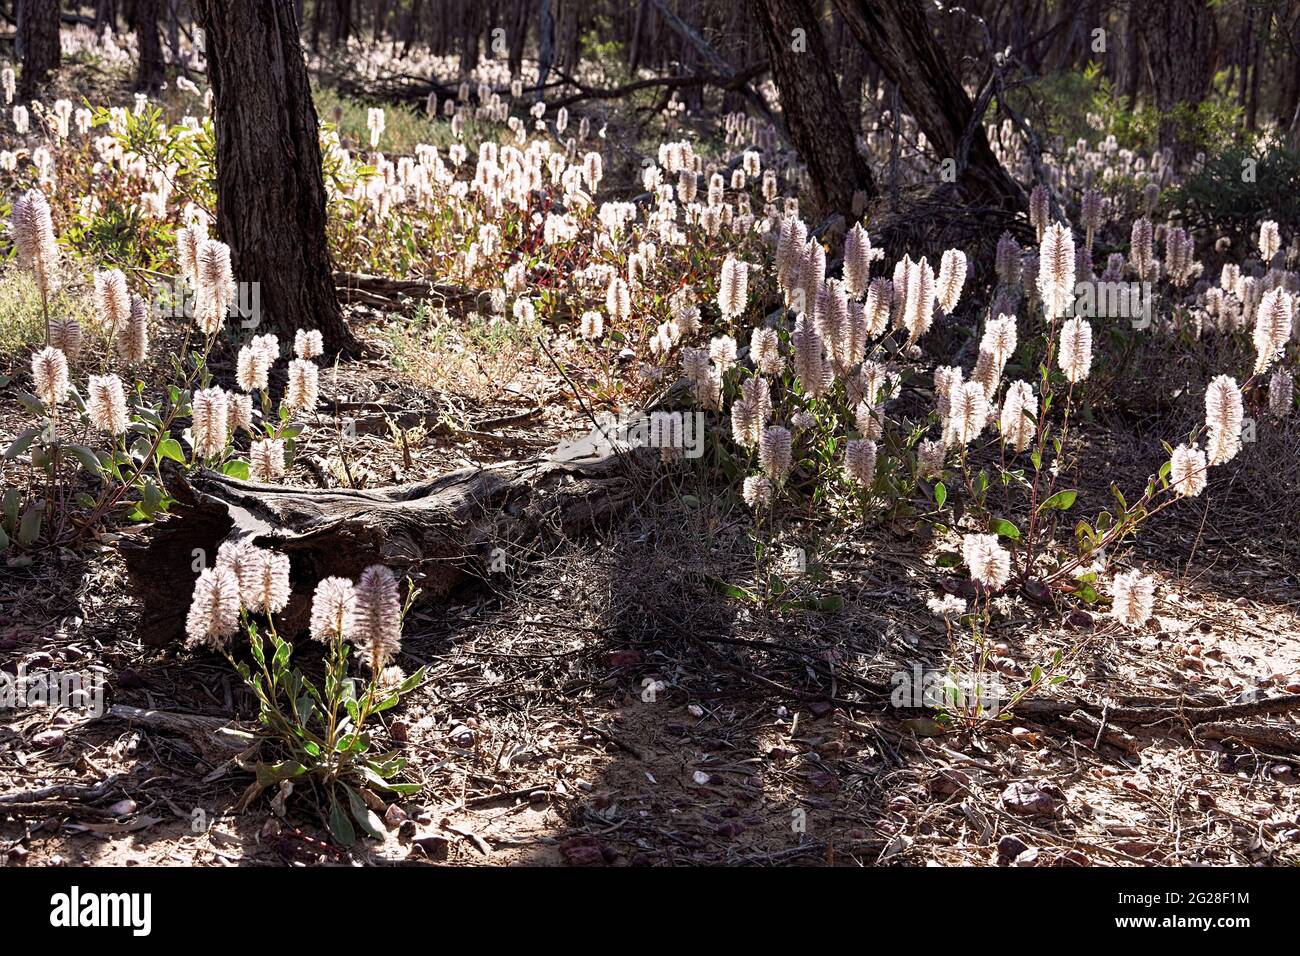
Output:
x=105 y=16
x=897 y=35
x=810 y=102
x=152 y=73
x=519 y=35
x=1132 y=58
x=411 y=30
x=342 y=21
x=270 y=190
x=317 y=17
x=1180 y=38
x=38 y=41
x=545 y=42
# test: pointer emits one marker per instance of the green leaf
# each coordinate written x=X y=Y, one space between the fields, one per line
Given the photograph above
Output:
x=1004 y=528
x=339 y=825
x=412 y=682
x=20 y=444
x=236 y=468
x=272 y=773
x=1061 y=501
x=30 y=528
x=171 y=448
x=255 y=645
x=89 y=460
x=940 y=494
x=368 y=819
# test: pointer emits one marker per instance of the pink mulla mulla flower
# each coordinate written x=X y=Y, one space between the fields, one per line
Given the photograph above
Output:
x=333 y=611
x=50 y=376
x=216 y=284
x=758 y=492
x=210 y=427
x=378 y=616
x=264 y=582
x=765 y=352
x=952 y=276
x=1133 y=599
x=857 y=261
x=213 y=617
x=860 y=460
x=1187 y=468
x=251 y=369
x=32 y=229
x=1075 y=354
x=266 y=460
x=308 y=343
x=1223 y=419
x=133 y=340
x=66 y=336
x=733 y=288
x=774 y=452
x=106 y=404
x=304 y=387
x=112 y=301
x=988 y=561
x=1056 y=265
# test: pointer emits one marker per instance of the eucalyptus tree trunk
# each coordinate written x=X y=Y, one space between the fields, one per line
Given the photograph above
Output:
x=810 y=102
x=270 y=190
x=37 y=42
x=1180 y=37
x=152 y=73
x=896 y=34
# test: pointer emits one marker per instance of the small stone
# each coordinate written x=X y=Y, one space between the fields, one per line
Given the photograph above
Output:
x=1010 y=847
x=1030 y=800
x=394 y=816
x=123 y=808
x=49 y=739
x=947 y=782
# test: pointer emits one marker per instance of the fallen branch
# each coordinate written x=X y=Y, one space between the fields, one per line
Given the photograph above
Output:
x=440 y=532
x=1056 y=710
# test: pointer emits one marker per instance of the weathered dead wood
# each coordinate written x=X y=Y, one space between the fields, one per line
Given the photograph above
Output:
x=213 y=735
x=1173 y=711
x=440 y=532
x=1269 y=737
x=386 y=293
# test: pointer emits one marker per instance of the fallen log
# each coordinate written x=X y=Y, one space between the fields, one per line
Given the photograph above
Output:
x=383 y=292
x=439 y=532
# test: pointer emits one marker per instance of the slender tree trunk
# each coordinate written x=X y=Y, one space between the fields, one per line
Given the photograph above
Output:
x=545 y=42
x=896 y=34
x=1180 y=37
x=270 y=190
x=152 y=73
x=342 y=22
x=634 y=52
x=105 y=16
x=811 y=104
x=1132 y=58
x=519 y=35
x=38 y=41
